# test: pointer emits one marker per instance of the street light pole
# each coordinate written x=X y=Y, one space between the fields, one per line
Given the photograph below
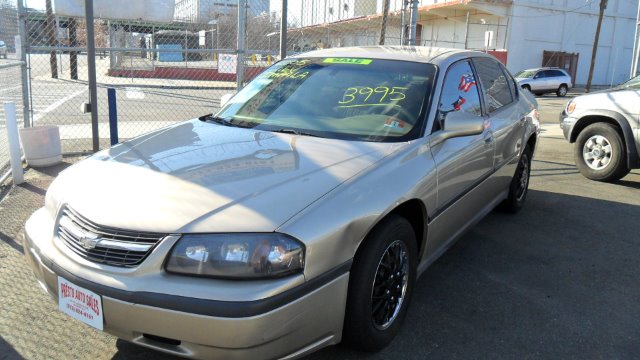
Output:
x=603 y=6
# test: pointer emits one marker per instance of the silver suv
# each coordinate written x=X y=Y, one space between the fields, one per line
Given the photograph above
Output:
x=605 y=127
x=3 y=49
x=545 y=80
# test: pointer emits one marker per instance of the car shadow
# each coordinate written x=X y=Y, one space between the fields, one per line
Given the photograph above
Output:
x=128 y=351
x=627 y=183
x=7 y=352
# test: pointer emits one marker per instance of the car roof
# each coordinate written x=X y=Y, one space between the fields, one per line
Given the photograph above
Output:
x=544 y=68
x=424 y=54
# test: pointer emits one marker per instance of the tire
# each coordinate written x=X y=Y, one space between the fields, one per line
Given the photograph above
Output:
x=562 y=91
x=600 y=154
x=526 y=87
x=371 y=285
x=519 y=186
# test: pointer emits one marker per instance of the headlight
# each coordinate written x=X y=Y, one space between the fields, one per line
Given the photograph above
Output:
x=571 y=106
x=237 y=256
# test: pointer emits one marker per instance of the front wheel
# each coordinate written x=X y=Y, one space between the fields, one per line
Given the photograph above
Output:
x=519 y=183
x=600 y=154
x=380 y=285
x=562 y=90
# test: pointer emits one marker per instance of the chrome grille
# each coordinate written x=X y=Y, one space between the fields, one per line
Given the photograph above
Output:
x=103 y=244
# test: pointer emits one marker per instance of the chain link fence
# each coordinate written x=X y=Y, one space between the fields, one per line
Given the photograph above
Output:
x=163 y=72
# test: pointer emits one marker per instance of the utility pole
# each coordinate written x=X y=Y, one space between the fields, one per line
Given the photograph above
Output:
x=73 y=42
x=383 y=26
x=52 y=34
x=283 y=31
x=603 y=6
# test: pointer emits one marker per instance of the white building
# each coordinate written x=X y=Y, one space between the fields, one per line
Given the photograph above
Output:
x=523 y=33
x=203 y=11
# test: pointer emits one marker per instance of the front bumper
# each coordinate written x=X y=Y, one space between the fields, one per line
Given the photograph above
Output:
x=566 y=124
x=297 y=326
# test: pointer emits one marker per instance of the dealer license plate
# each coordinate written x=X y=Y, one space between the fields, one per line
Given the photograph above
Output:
x=80 y=303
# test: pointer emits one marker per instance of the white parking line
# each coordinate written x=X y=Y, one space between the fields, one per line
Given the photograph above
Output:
x=551 y=130
x=11 y=88
x=57 y=104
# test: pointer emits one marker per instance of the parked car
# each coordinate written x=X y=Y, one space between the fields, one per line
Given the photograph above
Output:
x=545 y=80
x=605 y=127
x=299 y=215
x=3 y=49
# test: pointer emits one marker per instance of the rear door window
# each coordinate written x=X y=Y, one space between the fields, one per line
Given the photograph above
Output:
x=495 y=86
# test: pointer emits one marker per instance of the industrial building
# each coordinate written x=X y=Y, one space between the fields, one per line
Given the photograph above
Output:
x=522 y=33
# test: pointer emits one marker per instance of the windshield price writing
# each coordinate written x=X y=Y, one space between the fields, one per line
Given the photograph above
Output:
x=292 y=70
x=368 y=96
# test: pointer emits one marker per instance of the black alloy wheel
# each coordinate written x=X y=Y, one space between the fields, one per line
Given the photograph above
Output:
x=381 y=284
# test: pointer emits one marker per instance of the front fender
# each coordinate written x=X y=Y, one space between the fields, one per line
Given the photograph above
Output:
x=333 y=227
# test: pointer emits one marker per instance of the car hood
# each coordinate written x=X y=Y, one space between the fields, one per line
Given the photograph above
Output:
x=203 y=177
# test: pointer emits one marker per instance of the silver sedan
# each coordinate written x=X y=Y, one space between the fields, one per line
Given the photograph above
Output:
x=299 y=215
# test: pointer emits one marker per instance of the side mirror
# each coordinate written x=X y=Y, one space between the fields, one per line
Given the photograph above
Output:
x=225 y=99
x=458 y=124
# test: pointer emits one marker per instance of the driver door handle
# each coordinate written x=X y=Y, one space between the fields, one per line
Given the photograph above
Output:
x=488 y=138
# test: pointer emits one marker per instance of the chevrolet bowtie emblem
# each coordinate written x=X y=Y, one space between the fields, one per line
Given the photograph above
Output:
x=89 y=240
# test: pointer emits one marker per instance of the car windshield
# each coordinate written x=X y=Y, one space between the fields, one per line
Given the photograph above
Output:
x=525 y=74
x=631 y=83
x=340 y=98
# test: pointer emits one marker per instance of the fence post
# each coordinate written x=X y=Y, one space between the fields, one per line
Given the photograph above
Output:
x=414 y=21
x=242 y=12
x=113 y=115
x=283 y=31
x=22 y=29
x=14 y=143
x=91 y=62
x=383 y=26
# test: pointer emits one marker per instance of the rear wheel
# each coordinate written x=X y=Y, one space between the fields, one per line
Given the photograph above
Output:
x=380 y=285
x=526 y=87
x=562 y=90
x=599 y=153
x=519 y=186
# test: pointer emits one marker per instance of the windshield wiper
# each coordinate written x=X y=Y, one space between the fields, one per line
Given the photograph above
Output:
x=295 y=132
x=221 y=121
